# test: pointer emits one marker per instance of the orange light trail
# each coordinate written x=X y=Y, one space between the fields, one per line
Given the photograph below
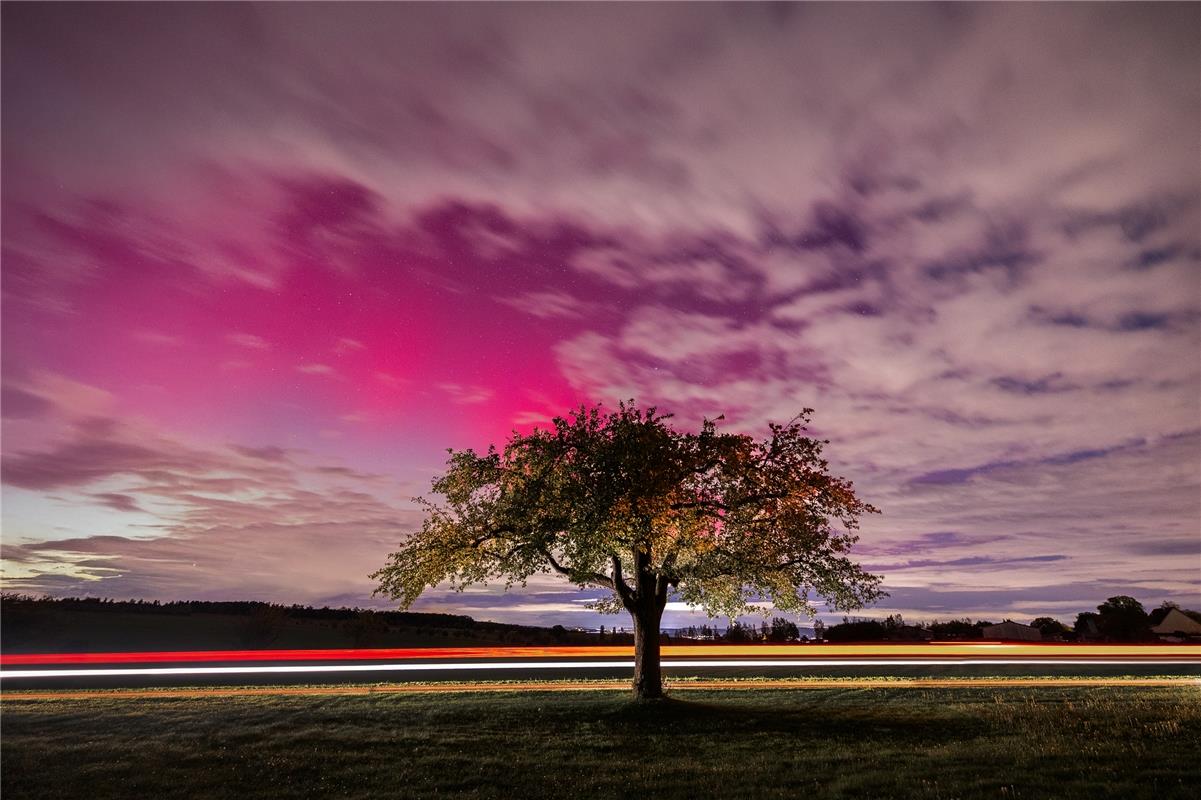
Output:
x=600 y=686
x=933 y=650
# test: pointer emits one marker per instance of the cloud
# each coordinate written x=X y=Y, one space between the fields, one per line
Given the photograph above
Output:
x=268 y=453
x=531 y=418
x=18 y=403
x=975 y=254
x=244 y=522
x=249 y=341
x=546 y=305
x=346 y=345
x=157 y=338
x=466 y=395
x=117 y=501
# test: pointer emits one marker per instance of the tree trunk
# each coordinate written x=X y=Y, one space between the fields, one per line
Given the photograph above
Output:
x=648 y=675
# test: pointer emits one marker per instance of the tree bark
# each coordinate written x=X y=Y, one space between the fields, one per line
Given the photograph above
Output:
x=648 y=674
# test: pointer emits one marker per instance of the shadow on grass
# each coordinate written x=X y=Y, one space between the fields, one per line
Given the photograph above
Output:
x=702 y=717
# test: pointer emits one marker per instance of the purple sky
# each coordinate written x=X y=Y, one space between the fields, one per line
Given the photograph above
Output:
x=262 y=264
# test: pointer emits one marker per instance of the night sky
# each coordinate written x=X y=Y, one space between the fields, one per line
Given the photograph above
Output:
x=263 y=264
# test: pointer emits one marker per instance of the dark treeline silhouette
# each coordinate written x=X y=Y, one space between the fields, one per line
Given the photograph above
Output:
x=91 y=623
x=77 y=623
x=1118 y=619
x=246 y=608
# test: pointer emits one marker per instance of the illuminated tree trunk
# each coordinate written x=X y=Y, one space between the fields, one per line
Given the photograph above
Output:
x=648 y=674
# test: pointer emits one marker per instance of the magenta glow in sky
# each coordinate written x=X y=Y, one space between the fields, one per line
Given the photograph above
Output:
x=263 y=263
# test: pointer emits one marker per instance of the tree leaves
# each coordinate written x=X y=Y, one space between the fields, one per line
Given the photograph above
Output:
x=623 y=501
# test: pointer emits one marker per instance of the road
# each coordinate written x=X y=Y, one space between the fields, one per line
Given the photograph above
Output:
x=529 y=665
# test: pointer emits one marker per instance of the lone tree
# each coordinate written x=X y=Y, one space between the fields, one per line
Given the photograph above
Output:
x=624 y=502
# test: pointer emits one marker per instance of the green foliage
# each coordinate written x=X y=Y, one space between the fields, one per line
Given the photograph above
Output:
x=622 y=501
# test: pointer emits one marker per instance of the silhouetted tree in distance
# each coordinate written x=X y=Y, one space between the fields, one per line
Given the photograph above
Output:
x=622 y=501
x=737 y=632
x=1051 y=628
x=264 y=625
x=955 y=630
x=368 y=629
x=1086 y=625
x=783 y=630
x=868 y=630
x=1123 y=619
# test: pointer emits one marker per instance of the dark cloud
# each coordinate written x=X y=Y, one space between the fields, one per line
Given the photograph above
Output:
x=80 y=463
x=1043 y=385
x=117 y=501
x=988 y=562
x=953 y=476
x=269 y=453
x=833 y=226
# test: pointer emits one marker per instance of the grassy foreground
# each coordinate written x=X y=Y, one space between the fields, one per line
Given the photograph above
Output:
x=839 y=743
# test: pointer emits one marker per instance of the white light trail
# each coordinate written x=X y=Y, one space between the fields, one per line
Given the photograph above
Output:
x=294 y=669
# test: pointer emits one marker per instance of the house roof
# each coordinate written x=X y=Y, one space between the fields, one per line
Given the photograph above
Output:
x=1009 y=624
x=1176 y=621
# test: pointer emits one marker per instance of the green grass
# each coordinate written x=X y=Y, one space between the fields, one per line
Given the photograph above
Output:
x=1125 y=742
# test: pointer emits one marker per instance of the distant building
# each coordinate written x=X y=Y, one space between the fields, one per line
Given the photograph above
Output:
x=1010 y=630
x=1177 y=624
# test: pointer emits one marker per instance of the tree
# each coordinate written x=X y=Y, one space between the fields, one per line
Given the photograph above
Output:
x=1123 y=619
x=264 y=625
x=783 y=630
x=622 y=501
x=868 y=630
x=1050 y=628
x=735 y=632
x=954 y=630
x=1086 y=626
x=367 y=629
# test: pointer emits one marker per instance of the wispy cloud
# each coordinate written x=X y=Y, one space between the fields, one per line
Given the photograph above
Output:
x=249 y=341
x=466 y=395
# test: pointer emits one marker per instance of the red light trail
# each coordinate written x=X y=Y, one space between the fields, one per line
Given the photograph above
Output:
x=932 y=651
x=482 y=659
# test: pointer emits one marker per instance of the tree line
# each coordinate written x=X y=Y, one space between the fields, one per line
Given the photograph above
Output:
x=1119 y=619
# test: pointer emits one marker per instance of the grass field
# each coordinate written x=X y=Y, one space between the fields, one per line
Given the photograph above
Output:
x=1071 y=742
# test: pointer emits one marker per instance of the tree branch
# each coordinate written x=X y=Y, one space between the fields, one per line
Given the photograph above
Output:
x=587 y=577
x=619 y=583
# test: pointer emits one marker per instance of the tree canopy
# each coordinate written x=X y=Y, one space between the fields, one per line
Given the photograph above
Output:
x=1122 y=618
x=622 y=501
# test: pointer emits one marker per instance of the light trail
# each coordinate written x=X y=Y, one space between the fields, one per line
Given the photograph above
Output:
x=458 y=666
x=597 y=686
x=931 y=650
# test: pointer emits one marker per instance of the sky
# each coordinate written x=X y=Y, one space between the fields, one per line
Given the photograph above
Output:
x=263 y=264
